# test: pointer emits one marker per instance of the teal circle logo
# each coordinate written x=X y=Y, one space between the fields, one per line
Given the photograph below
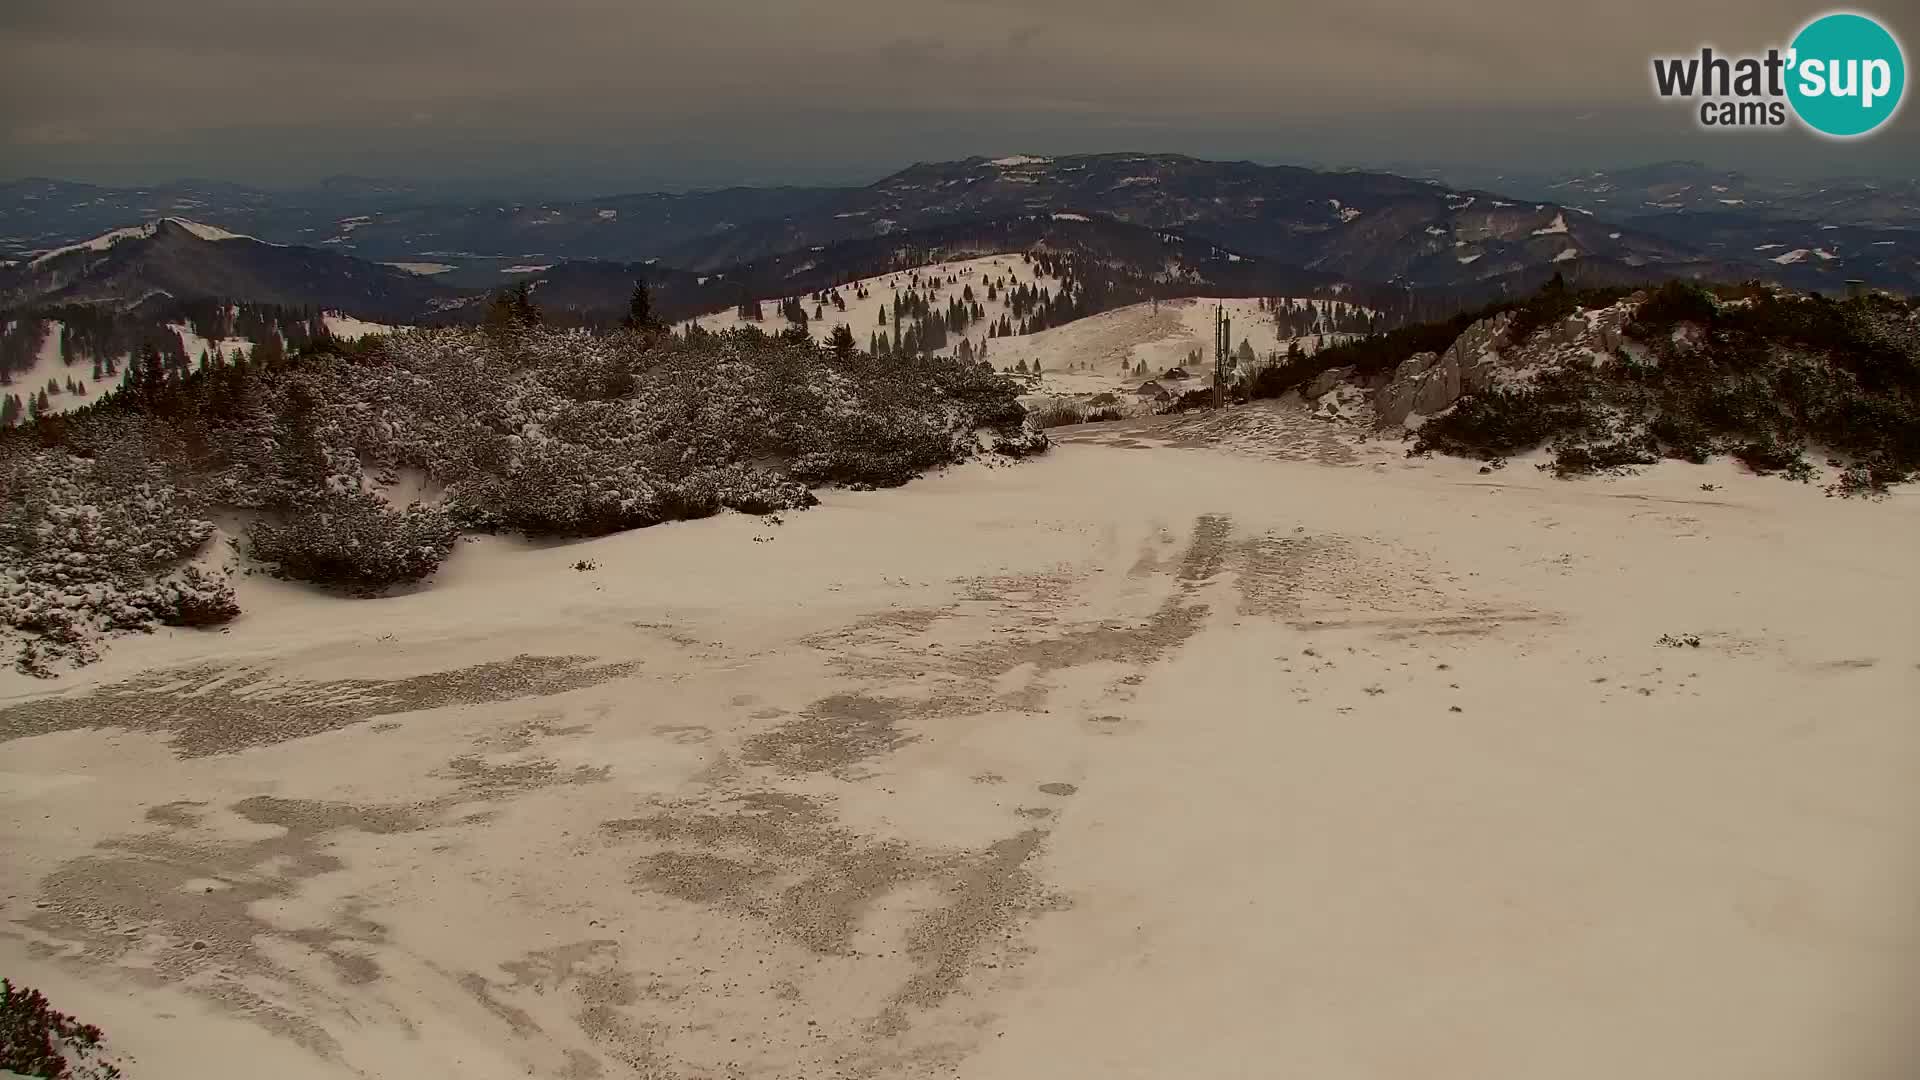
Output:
x=1847 y=75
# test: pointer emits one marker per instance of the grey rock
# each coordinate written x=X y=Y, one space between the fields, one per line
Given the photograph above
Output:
x=1427 y=383
x=1325 y=382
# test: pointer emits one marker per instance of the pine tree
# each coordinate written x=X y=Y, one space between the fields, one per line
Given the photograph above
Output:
x=269 y=350
x=10 y=410
x=524 y=311
x=499 y=314
x=640 y=309
x=842 y=341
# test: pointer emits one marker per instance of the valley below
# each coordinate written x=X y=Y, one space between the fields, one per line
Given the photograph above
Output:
x=1230 y=744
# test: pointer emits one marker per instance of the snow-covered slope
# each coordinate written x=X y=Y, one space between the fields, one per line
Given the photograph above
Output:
x=51 y=373
x=862 y=316
x=107 y=240
x=1104 y=352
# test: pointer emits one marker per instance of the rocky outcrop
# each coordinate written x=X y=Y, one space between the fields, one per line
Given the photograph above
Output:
x=1427 y=382
x=1326 y=381
x=1486 y=355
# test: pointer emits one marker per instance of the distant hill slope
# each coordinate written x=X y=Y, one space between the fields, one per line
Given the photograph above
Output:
x=1138 y=259
x=180 y=260
x=1355 y=225
x=387 y=223
x=1673 y=218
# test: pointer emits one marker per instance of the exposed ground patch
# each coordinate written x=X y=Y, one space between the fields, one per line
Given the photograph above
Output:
x=210 y=710
x=171 y=907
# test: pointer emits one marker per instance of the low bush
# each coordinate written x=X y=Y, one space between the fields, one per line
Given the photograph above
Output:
x=1608 y=456
x=354 y=541
x=1869 y=479
x=1766 y=456
x=1670 y=305
x=40 y=1041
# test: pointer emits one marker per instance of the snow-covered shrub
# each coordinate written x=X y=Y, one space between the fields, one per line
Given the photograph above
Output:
x=354 y=540
x=193 y=597
x=543 y=431
x=86 y=542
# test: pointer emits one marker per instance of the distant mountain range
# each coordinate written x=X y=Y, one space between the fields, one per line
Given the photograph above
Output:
x=176 y=259
x=1163 y=217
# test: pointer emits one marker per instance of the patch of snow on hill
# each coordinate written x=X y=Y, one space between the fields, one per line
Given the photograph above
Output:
x=1558 y=226
x=1465 y=259
x=49 y=368
x=1568 y=255
x=863 y=316
x=197 y=346
x=348 y=328
x=609 y=215
x=1791 y=257
x=1070 y=217
x=98 y=243
x=1019 y=159
x=424 y=269
x=1100 y=353
x=207 y=232
x=527 y=268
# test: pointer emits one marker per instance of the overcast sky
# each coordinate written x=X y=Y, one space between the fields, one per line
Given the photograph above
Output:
x=606 y=95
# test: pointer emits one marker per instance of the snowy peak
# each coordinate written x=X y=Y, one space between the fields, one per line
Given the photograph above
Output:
x=107 y=240
x=102 y=242
x=182 y=259
x=205 y=232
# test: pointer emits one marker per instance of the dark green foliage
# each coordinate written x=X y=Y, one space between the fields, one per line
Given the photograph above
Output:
x=842 y=342
x=198 y=599
x=1188 y=401
x=1766 y=456
x=1502 y=421
x=1670 y=305
x=38 y=1040
x=640 y=310
x=1869 y=479
x=1553 y=303
x=1760 y=379
x=1581 y=459
x=354 y=541
x=1367 y=356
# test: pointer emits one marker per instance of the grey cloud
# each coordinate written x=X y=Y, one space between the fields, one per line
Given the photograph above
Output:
x=88 y=80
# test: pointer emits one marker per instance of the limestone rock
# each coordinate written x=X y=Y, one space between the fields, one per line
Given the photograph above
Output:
x=1326 y=381
x=1426 y=383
